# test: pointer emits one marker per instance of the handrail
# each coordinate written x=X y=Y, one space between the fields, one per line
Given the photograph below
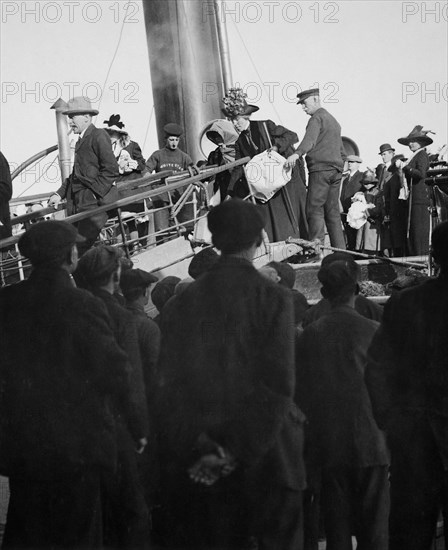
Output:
x=33 y=159
x=124 y=202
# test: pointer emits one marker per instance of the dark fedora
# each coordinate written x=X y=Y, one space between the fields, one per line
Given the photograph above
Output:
x=417 y=134
x=235 y=104
x=307 y=93
x=385 y=147
x=173 y=129
x=114 y=124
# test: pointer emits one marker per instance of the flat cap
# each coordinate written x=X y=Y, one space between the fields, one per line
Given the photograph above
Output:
x=136 y=278
x=44 y=241
x=354 y=158
x=235 y=225
x=163 y=291
x=98 y=262
x=173 y=129
x=307 y=93
x=202 y=262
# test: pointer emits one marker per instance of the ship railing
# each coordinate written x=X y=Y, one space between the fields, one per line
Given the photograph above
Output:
x=191 y=191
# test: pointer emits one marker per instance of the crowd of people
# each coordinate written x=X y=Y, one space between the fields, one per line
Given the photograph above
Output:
x=382 y=211
x=239 y=418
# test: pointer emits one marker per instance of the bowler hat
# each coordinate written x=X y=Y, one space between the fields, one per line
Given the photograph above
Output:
x=44 y=241
x=385 y=147
x=417 y=134
x=354 y=158
x=307 y=93
x=173 y=129
x=79 y=106
x=235 y=225
x=132 y=279
x=235 y=104
x=115 y=124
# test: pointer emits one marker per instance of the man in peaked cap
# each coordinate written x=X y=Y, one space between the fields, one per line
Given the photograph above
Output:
x=55 y=447
x=92 y=181
x=325 y=155
x=226 y=409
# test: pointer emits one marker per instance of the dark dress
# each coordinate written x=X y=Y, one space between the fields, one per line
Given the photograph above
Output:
x=415 y=172
x=5 y=196
x=285 y=212
x=397 y=211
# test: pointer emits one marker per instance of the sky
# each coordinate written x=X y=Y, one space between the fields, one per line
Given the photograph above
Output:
x=381 y=66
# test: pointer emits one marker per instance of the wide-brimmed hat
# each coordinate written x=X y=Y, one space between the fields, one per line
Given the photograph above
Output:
x=79 y=106
x=369 y=178
x=301 y=96
x=114 y=124
x=385 y=147
x=417 y=134
x=235 y=104
x=354 y=158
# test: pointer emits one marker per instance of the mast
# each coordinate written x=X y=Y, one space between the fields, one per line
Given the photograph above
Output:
x=186 y=67
x=223 y=41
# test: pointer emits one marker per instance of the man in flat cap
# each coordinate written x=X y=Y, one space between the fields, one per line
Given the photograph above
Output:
x=231 y=447
x=169 y=158
x=92 y=181
x=407 y=379
x=60 y=369
x=383 y=174
x=346 y=449
x=350 y=184
x=325 y=155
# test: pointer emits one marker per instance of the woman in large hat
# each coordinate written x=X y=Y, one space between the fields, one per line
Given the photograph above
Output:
x=285 y=211
x=414 y=170
x=131 y=165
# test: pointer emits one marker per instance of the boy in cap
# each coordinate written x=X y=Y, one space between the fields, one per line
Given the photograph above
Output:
x=95 y=170
x=322 y=145
x=60 y=368
x=345 y=446
x=226 y=409
x=169 y=158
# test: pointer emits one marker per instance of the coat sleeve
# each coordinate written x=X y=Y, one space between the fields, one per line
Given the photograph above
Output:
x=417 y=170
x=5 y=180
x=138 y=156
x=255 y=427
x=153 y=162
x=107 y=164
x=309 y=140
x=282 y=138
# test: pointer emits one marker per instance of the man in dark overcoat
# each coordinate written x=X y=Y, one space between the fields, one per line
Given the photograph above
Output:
x=95 y=171
x=350 y=184
x=231 y=436
x=60 y=369
x=344 y=444
x=407 y=376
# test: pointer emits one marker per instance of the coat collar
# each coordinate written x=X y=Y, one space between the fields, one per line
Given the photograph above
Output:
x=54 y=277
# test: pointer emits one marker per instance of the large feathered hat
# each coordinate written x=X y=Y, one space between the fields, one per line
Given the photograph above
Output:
x=114 y=124
x=417 y=134
x=235 y=104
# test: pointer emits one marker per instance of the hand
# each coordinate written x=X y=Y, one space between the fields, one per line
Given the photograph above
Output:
x=274 y=148
x=141 y=444
x=132 y=164
x=370 y=205
x=54 y=200
x=212 y=466
x=193 y=170
x=291 y=161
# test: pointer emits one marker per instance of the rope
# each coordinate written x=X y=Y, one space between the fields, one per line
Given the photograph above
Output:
x=40 y=177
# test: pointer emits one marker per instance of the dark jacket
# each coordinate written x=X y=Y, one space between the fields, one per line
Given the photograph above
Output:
x=350 y=184
x=5 y=197
x=331 y=358
x=125 y=331
x=363 y=306
x=92 y=181
x=407 y=369
x=60 y=368
x=415 y=173
x=322 y=143
x=227 y=368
